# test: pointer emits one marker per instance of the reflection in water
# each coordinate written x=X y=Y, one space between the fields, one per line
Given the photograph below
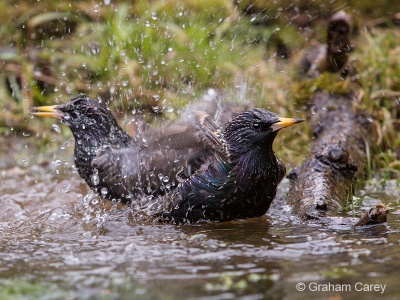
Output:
x=56 y=236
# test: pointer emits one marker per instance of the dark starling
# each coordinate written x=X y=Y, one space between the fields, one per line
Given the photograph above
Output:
x=122 y=168
x=241 y=177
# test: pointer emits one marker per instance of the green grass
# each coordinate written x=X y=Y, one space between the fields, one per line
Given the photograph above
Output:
x=378 y=64
x=164 y=54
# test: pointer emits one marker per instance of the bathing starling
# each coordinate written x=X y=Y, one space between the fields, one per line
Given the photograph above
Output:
x=241 y=177
x=122 y=168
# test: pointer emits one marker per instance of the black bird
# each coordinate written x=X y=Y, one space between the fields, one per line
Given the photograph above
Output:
x=239 y=180
x=122 y=168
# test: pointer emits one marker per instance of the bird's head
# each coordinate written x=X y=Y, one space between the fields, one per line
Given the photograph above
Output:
x=255 y=129
x=82 y=115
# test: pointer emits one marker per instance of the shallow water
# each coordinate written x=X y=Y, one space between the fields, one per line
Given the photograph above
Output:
x=56 y=243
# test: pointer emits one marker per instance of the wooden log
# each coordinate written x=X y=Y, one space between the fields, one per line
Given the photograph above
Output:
x=323 y=184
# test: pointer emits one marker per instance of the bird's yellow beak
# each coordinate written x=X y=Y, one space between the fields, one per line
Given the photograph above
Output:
x=47 y=111
x=285 y=122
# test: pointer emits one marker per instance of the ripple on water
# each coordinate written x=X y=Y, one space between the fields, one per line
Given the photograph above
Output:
x=53 y=229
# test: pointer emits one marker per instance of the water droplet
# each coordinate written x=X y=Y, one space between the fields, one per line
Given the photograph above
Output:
x=25 y=162
x=165 y=179
x=56 y=128
x=88 y=197
x=95 y=178
x=87 y=234
x=103 y=192
x=66 y=188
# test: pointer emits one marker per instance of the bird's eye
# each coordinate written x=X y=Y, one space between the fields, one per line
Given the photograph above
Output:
x=74 y=114
x=257 y=126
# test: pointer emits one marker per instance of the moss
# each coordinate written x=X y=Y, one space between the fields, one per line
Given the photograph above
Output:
x=329 y=82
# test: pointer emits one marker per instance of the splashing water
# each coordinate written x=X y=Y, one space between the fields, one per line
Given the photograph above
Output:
x=81 y=245
x=94 y=178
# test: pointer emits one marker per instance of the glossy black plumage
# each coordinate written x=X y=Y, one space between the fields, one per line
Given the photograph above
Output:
x=225 y=173
x=123 y=168
x=241 y=177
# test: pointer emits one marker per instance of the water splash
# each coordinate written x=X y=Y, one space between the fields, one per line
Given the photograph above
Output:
x=94 y=178
x=103 y=192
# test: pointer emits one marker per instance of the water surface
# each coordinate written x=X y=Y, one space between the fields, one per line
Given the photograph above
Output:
x=57 y=242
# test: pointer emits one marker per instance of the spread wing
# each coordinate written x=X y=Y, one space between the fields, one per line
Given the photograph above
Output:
x=204 y=194
x=212 y=135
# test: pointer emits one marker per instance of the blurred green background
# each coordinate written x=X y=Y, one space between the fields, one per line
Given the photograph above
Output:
x=157 y=56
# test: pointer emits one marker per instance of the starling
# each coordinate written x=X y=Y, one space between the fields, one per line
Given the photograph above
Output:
x=122 y=168
x=239 y=180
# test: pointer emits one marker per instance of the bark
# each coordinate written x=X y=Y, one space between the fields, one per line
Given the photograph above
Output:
x=323 y=184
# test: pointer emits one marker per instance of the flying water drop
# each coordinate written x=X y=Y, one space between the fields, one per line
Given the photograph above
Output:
x=103 y=192
x=95 y=178
x=56 y=128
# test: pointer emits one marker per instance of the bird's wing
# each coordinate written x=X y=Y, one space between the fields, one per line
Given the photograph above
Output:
x=212 y=135
x=151 y=171
x=203 y=196
x=118 y=170
x=174 y=136
x=184 y=132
